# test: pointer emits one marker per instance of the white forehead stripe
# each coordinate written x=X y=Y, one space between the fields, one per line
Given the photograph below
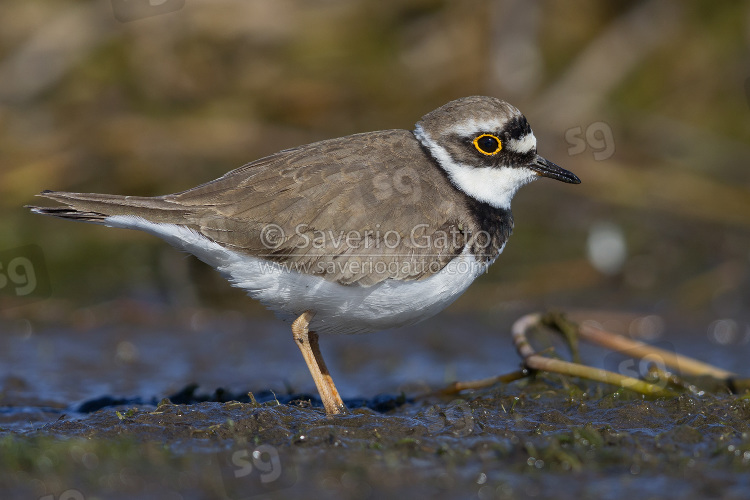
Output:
x=470 y=128
x=525 y=144
x=494 y=186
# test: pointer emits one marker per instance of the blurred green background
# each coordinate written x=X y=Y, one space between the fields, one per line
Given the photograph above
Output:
x=648 y=102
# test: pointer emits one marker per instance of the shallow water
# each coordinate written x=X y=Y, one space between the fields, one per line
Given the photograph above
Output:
x=533 y=438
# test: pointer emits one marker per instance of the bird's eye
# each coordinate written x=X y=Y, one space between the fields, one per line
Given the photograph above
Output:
x=488 y=144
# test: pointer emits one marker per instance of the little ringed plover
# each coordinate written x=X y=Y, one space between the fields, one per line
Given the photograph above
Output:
x=354 y=234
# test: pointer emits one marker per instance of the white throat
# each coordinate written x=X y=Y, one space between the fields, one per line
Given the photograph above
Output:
x=494 y=186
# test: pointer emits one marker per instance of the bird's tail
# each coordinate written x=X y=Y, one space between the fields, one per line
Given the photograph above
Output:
x=94 y=207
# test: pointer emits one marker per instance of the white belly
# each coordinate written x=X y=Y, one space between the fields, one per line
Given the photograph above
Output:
x=338 y=308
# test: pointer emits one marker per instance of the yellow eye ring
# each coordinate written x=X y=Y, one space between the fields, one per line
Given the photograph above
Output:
x=488 y=144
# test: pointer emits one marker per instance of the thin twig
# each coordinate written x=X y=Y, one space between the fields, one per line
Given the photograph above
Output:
x=457 y=387
x=536 y=362
x=637 y=349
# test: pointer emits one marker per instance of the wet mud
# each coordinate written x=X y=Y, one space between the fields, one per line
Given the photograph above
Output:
x=541 y=437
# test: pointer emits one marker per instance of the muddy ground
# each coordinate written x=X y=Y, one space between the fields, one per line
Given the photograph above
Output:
x=84 y=416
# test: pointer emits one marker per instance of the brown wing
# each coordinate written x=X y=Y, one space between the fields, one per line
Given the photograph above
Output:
x=359 y=209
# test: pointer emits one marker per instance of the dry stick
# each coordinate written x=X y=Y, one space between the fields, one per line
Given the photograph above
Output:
x=683 y=364
x=636 y=349
x=536 y=362
x=457 y=387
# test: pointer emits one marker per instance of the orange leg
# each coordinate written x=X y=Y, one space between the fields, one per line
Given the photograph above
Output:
x=307 y=342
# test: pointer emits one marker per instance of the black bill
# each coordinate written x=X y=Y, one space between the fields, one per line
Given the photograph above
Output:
x=546 y=168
